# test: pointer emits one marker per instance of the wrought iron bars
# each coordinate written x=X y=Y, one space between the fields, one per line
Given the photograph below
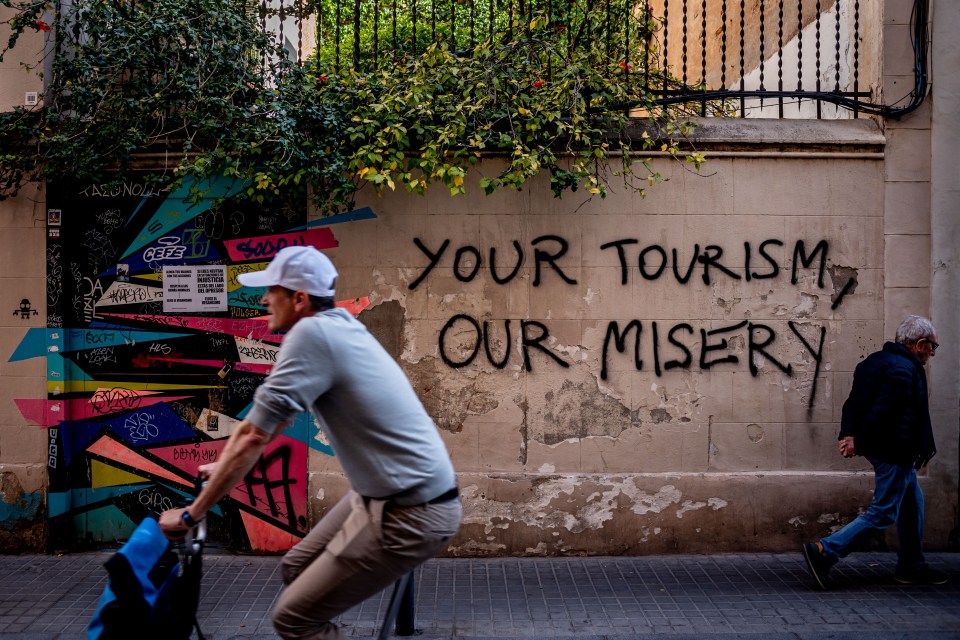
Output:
x=363 y=34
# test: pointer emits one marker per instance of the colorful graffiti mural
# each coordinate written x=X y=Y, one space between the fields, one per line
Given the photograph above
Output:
x=139 y=395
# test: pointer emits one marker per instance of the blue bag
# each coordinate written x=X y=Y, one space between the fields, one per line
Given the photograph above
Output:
x=150 y=593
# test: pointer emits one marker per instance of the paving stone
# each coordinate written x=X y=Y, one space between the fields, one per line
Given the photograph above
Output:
x=723 y=597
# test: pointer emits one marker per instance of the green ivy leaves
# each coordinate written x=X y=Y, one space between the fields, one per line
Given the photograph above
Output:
x=199 y=90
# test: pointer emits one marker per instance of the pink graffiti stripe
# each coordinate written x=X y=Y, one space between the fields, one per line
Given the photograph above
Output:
x=111 y=450
x=264 y=536
x=253 y=328
x=354 y=306
x=187 y=457
x=253 y=367
x=264 y=247
x=50 y=413
x=198 y=363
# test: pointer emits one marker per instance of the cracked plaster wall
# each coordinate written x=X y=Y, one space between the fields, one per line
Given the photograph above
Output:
x=561 y=459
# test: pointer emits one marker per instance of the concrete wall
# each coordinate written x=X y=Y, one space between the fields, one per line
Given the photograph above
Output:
x=585 y=451
x=20 y=71
x=23 y=447
x=944 y=240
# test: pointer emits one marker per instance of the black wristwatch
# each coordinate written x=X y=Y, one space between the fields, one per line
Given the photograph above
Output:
x=189 y=521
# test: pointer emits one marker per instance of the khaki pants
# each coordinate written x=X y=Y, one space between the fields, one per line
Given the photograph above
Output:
x=357 y=549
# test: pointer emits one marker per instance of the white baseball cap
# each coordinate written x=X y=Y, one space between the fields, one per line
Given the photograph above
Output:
x=296 y=268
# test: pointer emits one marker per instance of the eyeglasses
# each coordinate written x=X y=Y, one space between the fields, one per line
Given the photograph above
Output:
x=935 y=345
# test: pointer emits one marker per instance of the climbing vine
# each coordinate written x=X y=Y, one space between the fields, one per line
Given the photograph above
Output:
x=199 y=89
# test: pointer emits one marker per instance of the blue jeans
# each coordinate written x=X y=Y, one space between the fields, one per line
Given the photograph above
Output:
x=896 y=498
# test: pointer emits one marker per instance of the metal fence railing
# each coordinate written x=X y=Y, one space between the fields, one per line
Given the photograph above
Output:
x=756 y=58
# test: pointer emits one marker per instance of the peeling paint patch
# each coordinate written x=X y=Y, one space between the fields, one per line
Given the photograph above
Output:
x=540 y=510
x=797 y=521
x=25 y=507
x=474 y=548
x=660 y=415
x=647 y=531
x=689 y=506
x=844 y=281
x=728 y=305
x=578 y=412
x=717 y=503
x=807 y=307
x=524 y=429
x=450 y=400
x=546 y=467
x=540 y=550
x=827 y=518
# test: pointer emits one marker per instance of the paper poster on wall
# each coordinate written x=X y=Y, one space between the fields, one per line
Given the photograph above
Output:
x=194 y=288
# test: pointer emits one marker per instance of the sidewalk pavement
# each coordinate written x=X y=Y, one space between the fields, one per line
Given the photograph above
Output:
x=717 y=597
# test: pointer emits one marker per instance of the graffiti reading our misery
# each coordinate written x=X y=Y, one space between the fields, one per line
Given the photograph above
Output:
x=657 y=346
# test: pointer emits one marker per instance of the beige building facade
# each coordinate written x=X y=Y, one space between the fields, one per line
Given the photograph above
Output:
x=615 y=376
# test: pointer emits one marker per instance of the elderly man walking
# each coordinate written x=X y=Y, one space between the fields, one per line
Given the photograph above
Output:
x=886 y=419
x=404 y=505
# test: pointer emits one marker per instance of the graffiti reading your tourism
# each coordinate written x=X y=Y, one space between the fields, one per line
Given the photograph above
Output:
x=670 y=346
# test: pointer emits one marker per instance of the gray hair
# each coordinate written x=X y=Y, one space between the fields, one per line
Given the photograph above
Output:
x=914 y=328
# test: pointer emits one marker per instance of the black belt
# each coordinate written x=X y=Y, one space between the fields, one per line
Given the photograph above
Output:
x=447 y=496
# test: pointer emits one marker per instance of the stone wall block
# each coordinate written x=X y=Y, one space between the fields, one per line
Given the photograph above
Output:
x=792 y=187
x=358 y=244
x=25 y=258
x=27 y=209
x=813 y=446
x=908 y=154
x=753 y=446
x=759 y=399
x=898 y=56
x=21 y=441
x=907 y=260
x=904 y=201
x=899 y=302
x=396 y=235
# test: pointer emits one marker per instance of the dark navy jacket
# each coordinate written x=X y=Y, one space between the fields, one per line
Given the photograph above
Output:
x=887 y=412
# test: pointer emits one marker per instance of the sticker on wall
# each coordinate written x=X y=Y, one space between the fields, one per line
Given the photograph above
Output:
x=25 y=310
x=193 y=288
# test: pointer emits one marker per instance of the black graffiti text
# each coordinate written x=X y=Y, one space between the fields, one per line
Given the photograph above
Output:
x=260 y=475
x=674 y=346
x=257 y=353
x=531 y=336
x=652 y=261
x=468 y=260
x=195 y=453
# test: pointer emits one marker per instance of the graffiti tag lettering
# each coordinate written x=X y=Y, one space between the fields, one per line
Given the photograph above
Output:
x=139 y=427
x=116 y=399
x=155 y=500
x=169 y=249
